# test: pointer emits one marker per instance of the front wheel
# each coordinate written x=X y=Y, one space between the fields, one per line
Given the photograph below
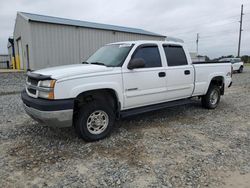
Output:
x=212 y=97
x=240 y=69
x=95 y=121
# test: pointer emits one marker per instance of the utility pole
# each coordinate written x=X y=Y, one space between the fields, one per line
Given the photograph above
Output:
x=241 y=15
x=197 y=44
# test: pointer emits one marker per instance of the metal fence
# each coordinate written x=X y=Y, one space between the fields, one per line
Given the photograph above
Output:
x=4 y=64
x=4 y=61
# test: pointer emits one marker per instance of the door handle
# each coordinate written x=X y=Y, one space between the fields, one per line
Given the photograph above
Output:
x=162 y=74
x=186 y=72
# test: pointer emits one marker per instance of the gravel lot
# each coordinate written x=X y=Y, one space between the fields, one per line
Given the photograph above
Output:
x=185 y=146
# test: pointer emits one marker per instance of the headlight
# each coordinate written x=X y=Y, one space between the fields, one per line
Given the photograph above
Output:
x=46 y=90
x=46 y=95
x=48 y=83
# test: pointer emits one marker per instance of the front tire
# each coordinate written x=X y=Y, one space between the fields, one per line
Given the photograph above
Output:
x=212 y=97
x=95 y=120
x=240 y=69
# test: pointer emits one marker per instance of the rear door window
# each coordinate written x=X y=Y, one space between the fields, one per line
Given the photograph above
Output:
x=175 y=55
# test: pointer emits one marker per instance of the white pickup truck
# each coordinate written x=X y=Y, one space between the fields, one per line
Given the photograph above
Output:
x=237 y=64
x=119 y=80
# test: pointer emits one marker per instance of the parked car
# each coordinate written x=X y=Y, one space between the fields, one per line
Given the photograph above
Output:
x=119 y=80
x=237 y=64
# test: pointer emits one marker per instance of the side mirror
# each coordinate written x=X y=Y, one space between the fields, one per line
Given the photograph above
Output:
x=136 y=63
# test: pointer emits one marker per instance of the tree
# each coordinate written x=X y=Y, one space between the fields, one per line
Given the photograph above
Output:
x=245 y=58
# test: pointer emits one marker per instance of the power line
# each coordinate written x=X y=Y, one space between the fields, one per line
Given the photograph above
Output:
x=188 y=32
x=212 y=35
x=203 y=23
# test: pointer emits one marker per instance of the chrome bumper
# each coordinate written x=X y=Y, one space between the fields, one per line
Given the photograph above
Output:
x=61 y=118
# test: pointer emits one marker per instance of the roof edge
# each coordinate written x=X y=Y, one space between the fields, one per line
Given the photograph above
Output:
x=21 y=14
x=42 y=21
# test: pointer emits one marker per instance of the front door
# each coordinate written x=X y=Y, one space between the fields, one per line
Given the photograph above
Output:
x=145 y=86
x=20 y=54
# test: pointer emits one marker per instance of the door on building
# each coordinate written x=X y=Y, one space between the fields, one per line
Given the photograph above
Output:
x=27 y=56
x=20 y=54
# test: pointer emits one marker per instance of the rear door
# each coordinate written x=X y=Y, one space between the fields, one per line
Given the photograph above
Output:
x=144 y=86
x=179 y=74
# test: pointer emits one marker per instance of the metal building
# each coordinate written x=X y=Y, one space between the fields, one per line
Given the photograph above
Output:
x=45 y=41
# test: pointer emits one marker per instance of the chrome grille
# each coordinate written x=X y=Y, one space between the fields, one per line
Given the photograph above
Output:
x=33 y=81
x=31 y=87
x=32 y=91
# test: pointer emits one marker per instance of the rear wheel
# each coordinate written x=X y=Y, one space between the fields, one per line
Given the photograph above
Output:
x=95 y=120
x=240 y=69
x=212 y=97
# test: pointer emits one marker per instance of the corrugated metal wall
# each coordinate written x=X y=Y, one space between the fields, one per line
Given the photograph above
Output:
x=53 y=44
x=22 y=32
x=92 y=39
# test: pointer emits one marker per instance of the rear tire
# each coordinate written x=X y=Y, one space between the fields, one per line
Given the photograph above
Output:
x=212 y=97
x=95 y=120
x=240 y=69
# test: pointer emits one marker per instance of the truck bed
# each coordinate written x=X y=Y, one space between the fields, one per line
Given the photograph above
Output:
x=205 y=71
x=209 y=62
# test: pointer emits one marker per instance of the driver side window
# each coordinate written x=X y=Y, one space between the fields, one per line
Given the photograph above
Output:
x=150 y=55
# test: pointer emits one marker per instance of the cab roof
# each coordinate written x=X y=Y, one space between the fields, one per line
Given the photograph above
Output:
x=139 y=42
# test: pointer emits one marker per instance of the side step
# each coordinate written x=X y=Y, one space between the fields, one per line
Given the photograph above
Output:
x=140 y=110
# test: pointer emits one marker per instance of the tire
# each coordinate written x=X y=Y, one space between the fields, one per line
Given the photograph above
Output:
x=212 y=97
x=240 y=69
x=95 y=120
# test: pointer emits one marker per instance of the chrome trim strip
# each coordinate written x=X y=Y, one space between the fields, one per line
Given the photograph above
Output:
x=39 y=88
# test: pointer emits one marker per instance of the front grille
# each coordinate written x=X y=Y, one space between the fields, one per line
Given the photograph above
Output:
x=31 y=85
x=32 y=81
x=32 y=91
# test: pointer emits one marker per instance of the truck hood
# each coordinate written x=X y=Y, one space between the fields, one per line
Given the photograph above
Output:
x=72 y=70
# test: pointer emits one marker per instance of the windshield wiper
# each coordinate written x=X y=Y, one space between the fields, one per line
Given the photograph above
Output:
x=98 y=63
x=85 y=62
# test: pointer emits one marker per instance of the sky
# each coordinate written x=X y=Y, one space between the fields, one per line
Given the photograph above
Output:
x=216 y=21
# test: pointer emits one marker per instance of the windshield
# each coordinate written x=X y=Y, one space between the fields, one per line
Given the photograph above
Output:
x=110 y=55
x=225 y=59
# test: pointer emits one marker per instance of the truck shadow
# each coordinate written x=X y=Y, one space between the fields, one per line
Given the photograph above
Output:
x=163 y=115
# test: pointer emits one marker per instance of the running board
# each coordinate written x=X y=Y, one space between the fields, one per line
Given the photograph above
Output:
x=144 y=109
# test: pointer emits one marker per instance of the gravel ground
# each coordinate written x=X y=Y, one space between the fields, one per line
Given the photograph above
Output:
x=185 y=146
x=12 y=83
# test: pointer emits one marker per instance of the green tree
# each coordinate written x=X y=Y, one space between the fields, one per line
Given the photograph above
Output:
x=245 y=58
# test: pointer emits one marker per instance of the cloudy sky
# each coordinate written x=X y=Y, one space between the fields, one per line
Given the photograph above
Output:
x=216 y=21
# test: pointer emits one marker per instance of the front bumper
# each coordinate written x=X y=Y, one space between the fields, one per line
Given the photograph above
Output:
x=56 y=113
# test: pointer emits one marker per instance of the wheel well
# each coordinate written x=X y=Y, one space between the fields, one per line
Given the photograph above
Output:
x=218 y=81
x=108 y=95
